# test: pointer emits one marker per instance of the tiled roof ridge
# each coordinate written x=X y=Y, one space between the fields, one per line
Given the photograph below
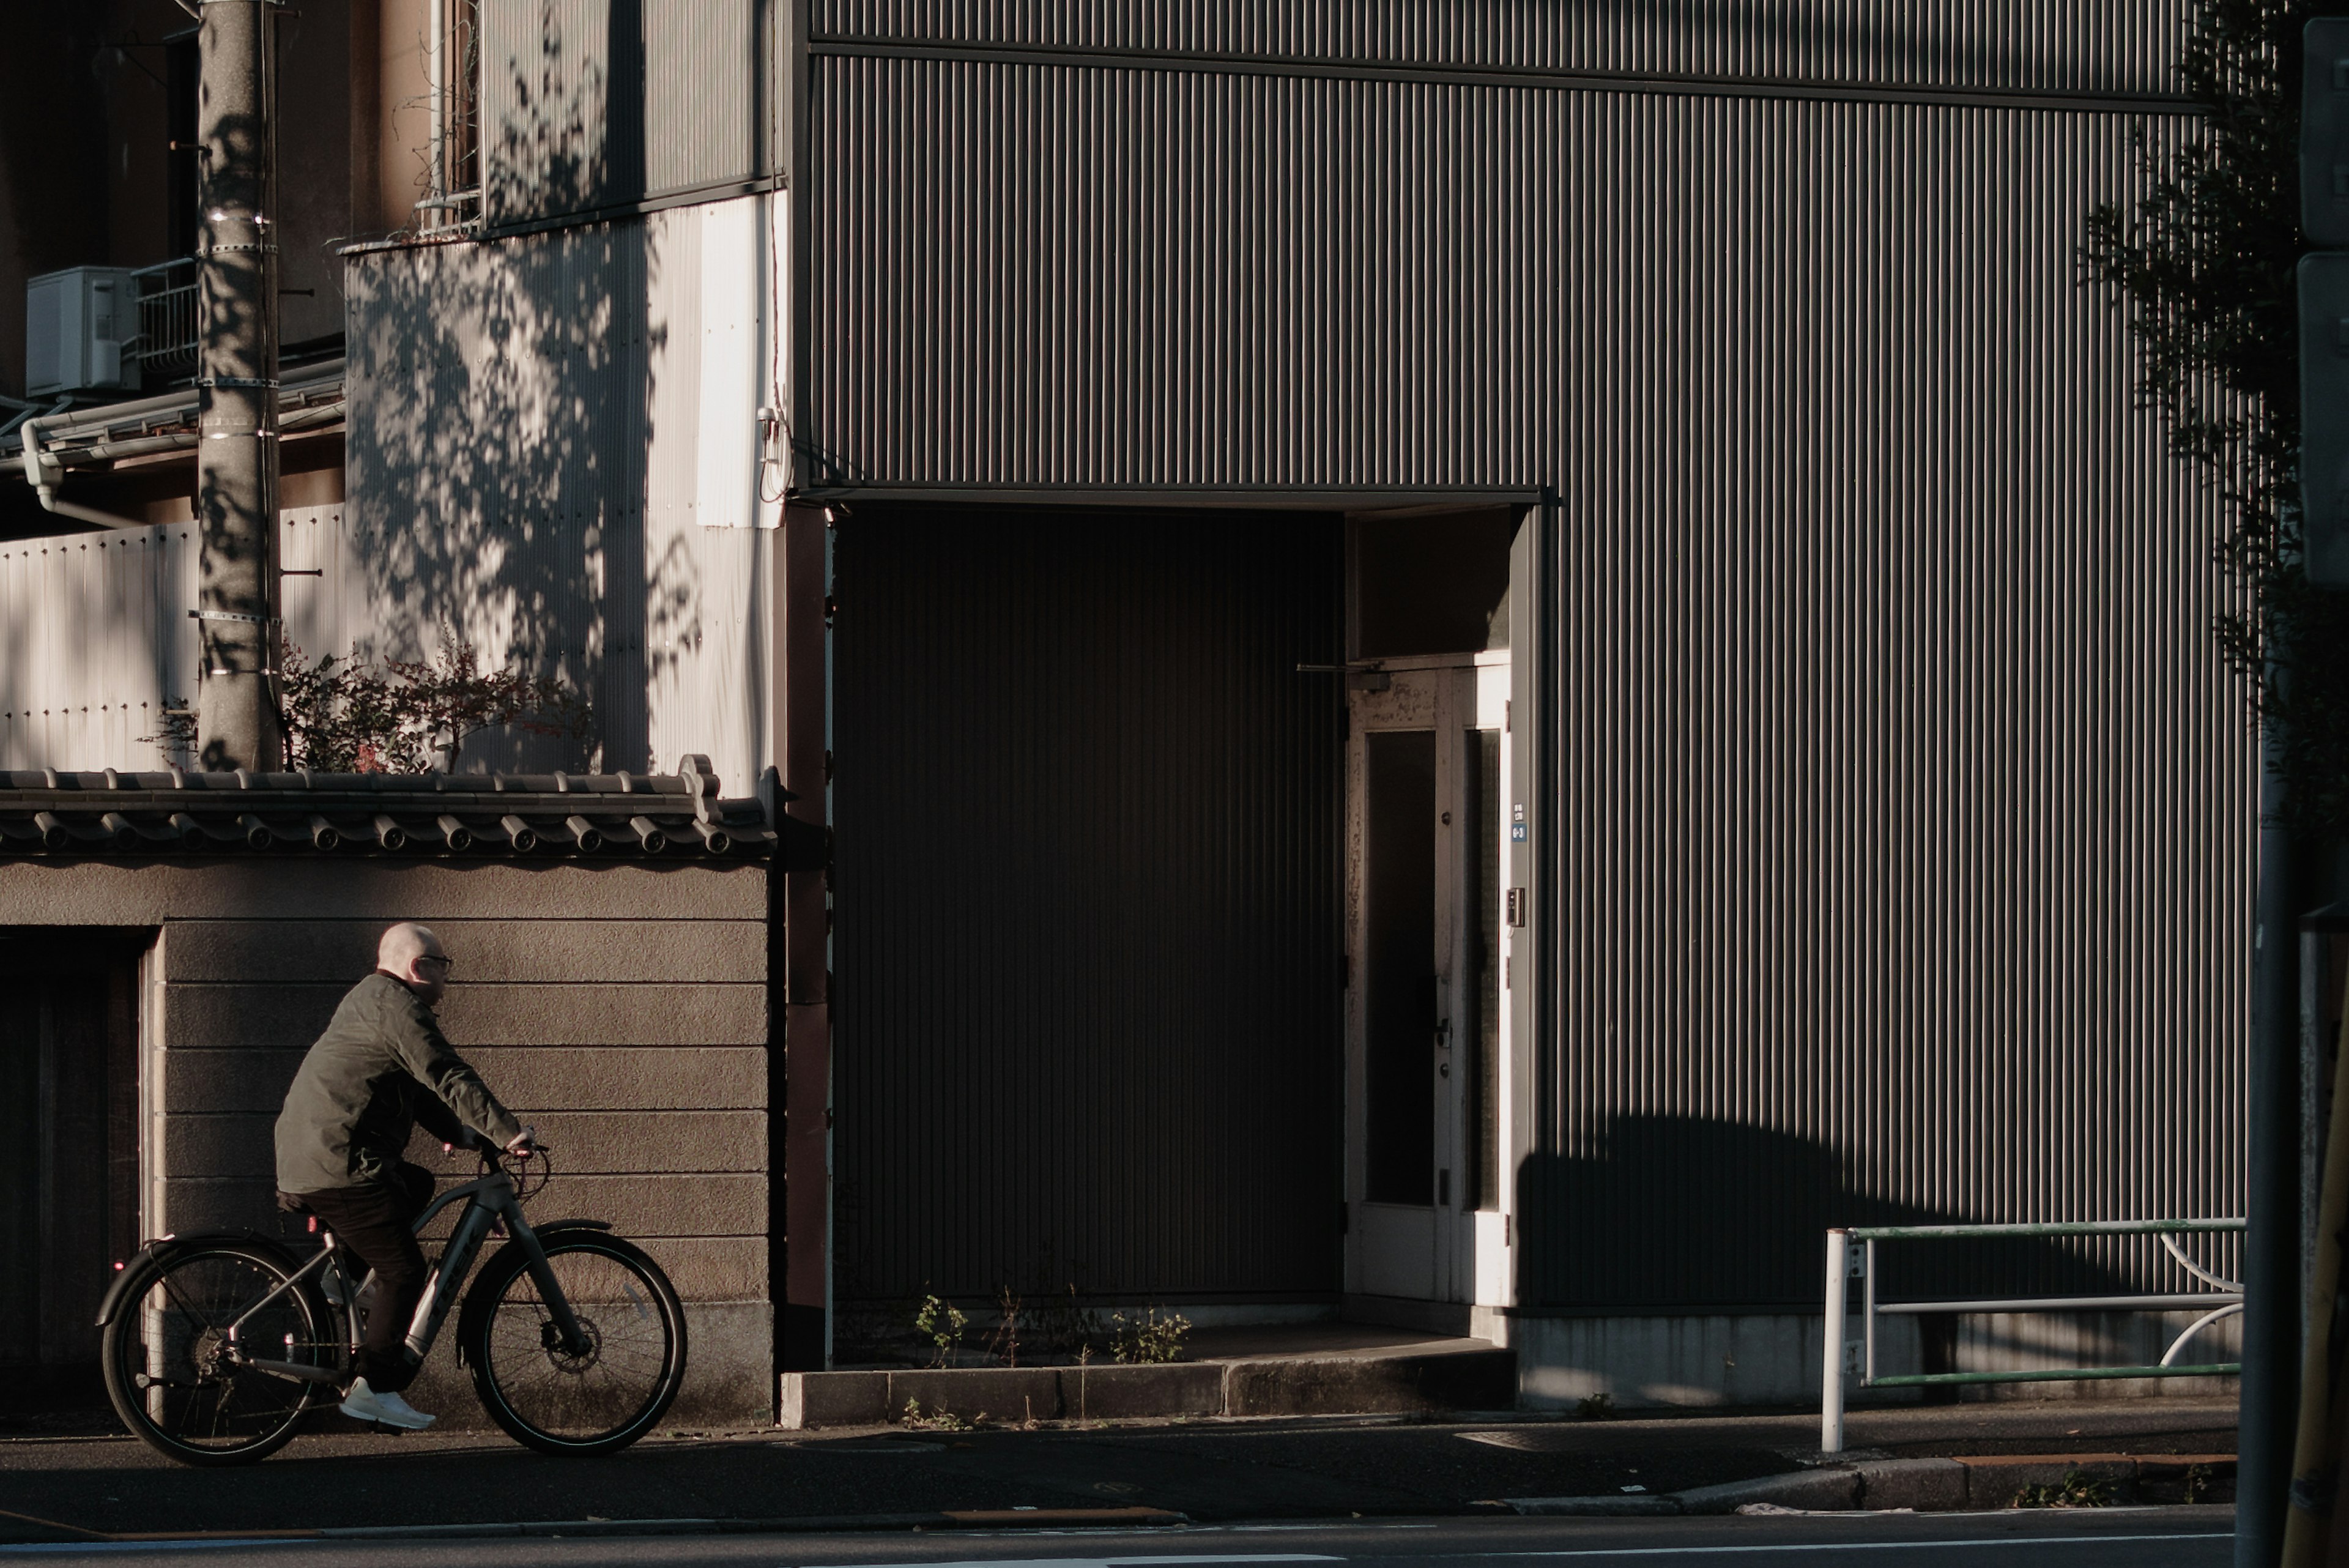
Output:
x=51 y=811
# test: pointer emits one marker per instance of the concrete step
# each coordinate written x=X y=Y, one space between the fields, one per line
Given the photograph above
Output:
x=1467 y=1374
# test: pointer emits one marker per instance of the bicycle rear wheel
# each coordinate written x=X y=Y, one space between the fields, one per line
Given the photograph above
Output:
x=166 y=1354
x=592 y=1403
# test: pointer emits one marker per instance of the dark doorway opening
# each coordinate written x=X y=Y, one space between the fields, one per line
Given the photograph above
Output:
x=68 y=1150
x=1427 y=582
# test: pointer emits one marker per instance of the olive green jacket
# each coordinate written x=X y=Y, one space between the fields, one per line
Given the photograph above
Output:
x=381 y=1067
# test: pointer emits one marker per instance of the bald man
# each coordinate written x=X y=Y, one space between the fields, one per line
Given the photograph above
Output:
x=380 y=1068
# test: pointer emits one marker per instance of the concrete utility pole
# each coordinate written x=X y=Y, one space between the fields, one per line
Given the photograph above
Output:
x=236 y=460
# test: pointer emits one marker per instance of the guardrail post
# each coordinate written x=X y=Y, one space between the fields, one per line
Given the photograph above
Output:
x=1831 y=1357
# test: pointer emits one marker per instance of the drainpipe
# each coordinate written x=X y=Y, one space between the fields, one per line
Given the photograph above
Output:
x=37 y=475
x=236 y=455
x=436 y=163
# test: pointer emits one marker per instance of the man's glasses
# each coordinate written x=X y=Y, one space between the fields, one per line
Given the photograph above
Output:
x=443 y=960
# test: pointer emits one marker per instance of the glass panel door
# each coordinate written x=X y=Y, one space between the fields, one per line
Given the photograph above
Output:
x=1400 y=1017
x=1427 y=1107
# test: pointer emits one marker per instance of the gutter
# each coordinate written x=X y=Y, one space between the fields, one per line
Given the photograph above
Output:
x=37 y=475
x=44 y=470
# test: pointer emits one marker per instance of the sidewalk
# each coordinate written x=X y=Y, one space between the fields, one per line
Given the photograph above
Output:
x=55 y=1488
x=1267 y=1369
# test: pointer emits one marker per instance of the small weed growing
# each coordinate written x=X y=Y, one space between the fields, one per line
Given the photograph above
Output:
x=2076 y=1490
x=1059 y=1325
x=2197 y=1482
x=1147 y=1336
x=937 y=1420
x=941 y=1323
x=1004 y=1343
x=1595 y=1407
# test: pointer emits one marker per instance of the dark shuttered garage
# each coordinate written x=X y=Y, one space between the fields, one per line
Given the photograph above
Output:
x=1086 y=904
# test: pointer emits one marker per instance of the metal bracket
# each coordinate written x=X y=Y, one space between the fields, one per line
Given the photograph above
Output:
x=231 y=615
x=235 y=381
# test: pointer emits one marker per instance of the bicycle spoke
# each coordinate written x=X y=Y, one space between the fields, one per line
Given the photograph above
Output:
x=627 y=1370
x=181 y=1302
x=170 y=1368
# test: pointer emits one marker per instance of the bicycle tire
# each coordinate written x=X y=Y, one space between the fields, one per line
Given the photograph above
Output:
x=596 y=1404
x=161 y=1354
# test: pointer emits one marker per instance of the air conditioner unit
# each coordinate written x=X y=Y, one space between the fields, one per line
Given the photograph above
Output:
x=80 y=331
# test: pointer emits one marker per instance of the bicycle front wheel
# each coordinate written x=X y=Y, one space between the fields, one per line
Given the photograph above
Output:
x=603 y=1398
x=171 y=1366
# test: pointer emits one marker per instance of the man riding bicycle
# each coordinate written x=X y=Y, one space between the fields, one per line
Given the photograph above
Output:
x=381 y=1067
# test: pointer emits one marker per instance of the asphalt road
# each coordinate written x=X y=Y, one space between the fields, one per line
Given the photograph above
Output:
x=57 y=1489
x=2150 y=1538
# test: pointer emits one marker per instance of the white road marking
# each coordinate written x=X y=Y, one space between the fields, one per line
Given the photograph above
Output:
x=1189 y=1561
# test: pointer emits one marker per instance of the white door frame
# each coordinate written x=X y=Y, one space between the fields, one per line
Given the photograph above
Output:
x=1447 y=1252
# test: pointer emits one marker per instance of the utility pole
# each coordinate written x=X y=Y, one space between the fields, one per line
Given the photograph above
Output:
x=236 y=456
x=2290 y=1454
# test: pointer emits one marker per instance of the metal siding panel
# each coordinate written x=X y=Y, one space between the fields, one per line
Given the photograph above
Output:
x=1902 y=813
x=700 y=92
x=1085 y=934
x=530 y=543
x=95 y=642
x=593 y=103
x=571 y=540
x=2104 y=45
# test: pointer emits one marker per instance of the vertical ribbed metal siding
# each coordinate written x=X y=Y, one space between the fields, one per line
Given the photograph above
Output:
x=1085 y=886
x=96 y=642
x=1902 y=811
x=94 y=639
x=2101 y=45
x=591 y=103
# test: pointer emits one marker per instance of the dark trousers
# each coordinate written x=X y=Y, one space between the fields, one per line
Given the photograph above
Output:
x=371 y=1221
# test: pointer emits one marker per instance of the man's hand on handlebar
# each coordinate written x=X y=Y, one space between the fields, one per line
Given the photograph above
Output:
x=524 y=1144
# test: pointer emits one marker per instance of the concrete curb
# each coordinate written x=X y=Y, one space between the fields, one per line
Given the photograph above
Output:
x=1479 y=1379
x=1971 y=1483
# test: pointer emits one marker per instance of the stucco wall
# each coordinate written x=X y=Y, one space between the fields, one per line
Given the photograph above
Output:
x=622 y=1009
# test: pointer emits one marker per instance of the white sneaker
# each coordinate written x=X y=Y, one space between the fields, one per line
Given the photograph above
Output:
x=364 y=1403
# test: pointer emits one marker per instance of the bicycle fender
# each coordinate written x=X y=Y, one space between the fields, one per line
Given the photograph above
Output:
x=476 y=1305
x=163 y=1246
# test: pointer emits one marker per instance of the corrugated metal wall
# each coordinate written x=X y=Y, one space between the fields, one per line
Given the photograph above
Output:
x=2099 y=46
x=95 y=638
x=1900 y=813
x=552 y=448
x=1086 y=926
x=569 y=87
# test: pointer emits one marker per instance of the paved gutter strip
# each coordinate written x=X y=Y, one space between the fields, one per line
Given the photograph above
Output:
x=961 y=1518
x=1969 y=1483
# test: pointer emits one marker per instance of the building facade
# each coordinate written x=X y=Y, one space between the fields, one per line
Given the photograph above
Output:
x=1468 y=668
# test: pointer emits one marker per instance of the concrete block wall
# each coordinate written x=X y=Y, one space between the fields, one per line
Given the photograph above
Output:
x=622 y=1009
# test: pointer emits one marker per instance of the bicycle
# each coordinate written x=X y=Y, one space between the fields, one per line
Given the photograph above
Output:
x=215 y=1346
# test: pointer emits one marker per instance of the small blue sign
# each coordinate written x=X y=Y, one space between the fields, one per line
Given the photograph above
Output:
x=1517 y=833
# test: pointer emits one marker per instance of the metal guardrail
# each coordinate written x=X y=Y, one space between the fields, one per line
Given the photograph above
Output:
x=1851 y=1362
x=167 y=316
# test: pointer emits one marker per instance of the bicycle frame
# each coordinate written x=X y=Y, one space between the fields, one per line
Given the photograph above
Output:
x=489 y=1199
